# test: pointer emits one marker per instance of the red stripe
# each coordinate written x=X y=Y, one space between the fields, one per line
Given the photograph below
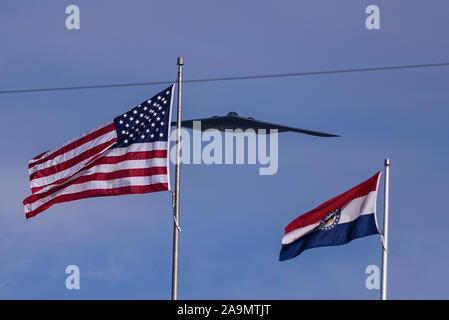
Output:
x=61 y=166
x=337 y=202
x=101 y=176
x=98 y=193
x=73 y=145
x=40 y=155
x=139 y=155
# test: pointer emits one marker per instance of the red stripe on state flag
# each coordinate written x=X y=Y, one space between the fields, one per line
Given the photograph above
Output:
x=320 y=212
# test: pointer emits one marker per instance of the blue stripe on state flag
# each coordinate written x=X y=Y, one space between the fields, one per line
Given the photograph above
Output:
x=346 y=217
x=341 y=234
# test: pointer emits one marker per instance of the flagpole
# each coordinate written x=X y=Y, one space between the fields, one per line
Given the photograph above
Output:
x=385 y=231
x=174 y=293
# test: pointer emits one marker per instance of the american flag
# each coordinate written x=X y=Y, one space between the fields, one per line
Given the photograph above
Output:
x=127 y=155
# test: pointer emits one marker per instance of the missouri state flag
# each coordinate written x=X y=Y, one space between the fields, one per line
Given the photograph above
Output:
x=349 y=216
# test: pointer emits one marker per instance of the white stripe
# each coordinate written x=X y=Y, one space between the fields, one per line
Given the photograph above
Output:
x=298 y=233
x=108 y=184
x=69 y=142
x=40 y=182
x=107 y=168
x=50 y=179
x=357 y=207
x=74 y=152
x=168 y=134
x=351 y=211
x=136 y=147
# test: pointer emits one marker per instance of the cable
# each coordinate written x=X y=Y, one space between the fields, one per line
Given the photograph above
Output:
x=281 y=75
x=101 y=86
x=250 y=77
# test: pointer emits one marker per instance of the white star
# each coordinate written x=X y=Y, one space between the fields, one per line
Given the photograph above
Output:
x=157 y=129
x=134 y=111
x=167 y=92
x=152 y=124
x=162 y=123
x=142 y=136
x=148 y=130
x=161 y=134
x=159 y=107
x=149 y=101
x=141 y=115
x=126 y=141
x=158 y=118
x=131 y=118
x=123 y=131
x=125 y=115
x=121 y=121
x=145 y=108
x=137 y=121
x=131 y=135
x=163 y=112
x=152 y=135
x=159 y=97
x=165 y=102
x=127 y=125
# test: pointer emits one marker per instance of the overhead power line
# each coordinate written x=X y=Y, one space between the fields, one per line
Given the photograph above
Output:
x=248 y=77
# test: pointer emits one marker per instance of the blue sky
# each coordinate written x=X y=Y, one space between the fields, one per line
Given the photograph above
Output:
x=232 y=219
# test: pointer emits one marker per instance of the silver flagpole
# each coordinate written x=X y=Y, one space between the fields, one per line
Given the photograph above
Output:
x=174 y=288
x=385 y=232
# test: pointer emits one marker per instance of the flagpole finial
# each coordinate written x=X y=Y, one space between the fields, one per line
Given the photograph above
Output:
x=180 y=61
x=387 y=162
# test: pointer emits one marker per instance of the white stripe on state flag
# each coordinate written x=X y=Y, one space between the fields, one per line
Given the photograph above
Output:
x=298 y=233
x=358 y=206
